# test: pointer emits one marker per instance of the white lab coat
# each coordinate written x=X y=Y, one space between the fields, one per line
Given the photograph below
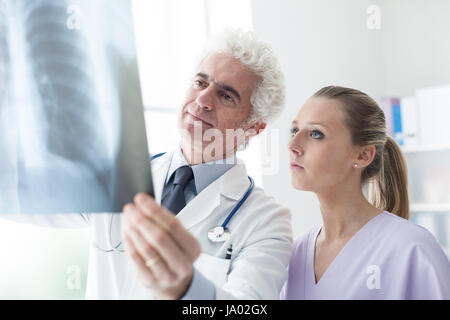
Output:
x=261 y=236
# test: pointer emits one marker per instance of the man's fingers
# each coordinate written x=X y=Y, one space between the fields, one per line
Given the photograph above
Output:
x=146 y=273
x=169 y=222
x=146 y=252
x=148 y=206
x=176 y=258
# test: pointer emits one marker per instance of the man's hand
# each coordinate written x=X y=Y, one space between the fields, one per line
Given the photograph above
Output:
x=161 y=248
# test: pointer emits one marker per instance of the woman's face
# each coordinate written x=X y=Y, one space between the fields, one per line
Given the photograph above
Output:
x=321 y=151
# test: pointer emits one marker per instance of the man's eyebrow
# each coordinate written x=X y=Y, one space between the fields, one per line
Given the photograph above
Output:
x=221 y=85
x=230 y=89
x=202 y=75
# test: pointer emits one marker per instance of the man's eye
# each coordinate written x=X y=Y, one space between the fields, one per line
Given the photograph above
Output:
x=227 y=97
x=199 y=83
x=316 y=134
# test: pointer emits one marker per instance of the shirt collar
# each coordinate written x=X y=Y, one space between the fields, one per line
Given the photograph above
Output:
x=204 y=173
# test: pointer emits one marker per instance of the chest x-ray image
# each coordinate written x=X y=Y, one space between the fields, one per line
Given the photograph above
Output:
x=72 y=132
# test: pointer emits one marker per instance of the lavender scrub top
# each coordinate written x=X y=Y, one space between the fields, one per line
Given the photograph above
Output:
x=388 y=258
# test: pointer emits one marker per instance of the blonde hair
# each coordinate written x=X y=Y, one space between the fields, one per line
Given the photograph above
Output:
x=386 y=176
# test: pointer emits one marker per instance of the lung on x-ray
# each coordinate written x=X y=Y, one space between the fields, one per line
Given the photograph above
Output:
x=72 y=132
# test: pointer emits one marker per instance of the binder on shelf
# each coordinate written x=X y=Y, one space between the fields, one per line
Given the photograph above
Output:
x=434 y=113
x=386 y=104
x=409 y=120
x=398 y=126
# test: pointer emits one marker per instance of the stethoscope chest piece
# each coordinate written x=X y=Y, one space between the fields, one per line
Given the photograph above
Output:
x=219 y=234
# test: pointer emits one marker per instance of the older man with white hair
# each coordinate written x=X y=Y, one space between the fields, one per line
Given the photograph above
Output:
x=208 y=233
x=237 y=89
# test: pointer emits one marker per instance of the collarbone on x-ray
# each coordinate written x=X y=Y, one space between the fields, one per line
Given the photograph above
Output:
x=70 y=107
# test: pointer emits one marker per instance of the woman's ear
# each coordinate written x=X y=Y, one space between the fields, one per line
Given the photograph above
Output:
x=365 y=156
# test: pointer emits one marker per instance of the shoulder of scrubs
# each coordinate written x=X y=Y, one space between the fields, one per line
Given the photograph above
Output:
x=428 y=266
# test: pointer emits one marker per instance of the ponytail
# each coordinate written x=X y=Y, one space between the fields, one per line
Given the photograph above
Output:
x=386 y=176
x=388 y=190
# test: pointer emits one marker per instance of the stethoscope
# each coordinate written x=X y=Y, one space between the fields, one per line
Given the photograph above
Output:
x=217 y=234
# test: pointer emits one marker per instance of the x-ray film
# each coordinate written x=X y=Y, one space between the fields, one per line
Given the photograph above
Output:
x=72 y=132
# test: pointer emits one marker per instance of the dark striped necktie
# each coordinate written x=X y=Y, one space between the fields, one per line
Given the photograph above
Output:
x=175 y=200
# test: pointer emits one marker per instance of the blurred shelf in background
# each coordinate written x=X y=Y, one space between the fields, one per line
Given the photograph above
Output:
x=419 y=124
x=429 y=189
x=428 y=148
x=426 y=207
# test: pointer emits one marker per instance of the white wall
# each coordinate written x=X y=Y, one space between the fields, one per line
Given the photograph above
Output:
x=318 y=43
x=415 y=45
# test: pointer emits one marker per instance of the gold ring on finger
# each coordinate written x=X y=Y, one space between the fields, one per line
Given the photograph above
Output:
x=152 y=261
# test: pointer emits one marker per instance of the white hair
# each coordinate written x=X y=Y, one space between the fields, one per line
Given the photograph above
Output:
x=269 y=96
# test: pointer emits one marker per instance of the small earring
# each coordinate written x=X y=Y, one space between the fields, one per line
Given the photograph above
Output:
x=355 y=165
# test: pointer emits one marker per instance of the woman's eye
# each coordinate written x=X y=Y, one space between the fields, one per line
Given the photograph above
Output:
x=316 y=134
x=294 y=132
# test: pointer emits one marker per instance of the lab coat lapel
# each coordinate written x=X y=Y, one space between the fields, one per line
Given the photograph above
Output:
x=160 y=167
x=233 y=185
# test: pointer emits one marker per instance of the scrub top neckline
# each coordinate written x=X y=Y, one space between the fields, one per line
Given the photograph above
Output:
x=312 y=250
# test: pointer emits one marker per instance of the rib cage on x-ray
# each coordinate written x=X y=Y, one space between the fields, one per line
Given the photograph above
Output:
x=64 y=82
x=68 y=109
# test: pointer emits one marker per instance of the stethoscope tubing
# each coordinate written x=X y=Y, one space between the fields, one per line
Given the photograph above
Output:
x=224 y=224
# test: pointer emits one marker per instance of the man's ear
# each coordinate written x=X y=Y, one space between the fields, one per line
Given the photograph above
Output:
x=255 y=129
x=251 y=131
x=365 y=156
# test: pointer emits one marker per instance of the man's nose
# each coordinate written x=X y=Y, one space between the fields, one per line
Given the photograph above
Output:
x=205 y=99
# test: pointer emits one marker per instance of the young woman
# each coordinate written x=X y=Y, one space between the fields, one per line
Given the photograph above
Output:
x=365 y=249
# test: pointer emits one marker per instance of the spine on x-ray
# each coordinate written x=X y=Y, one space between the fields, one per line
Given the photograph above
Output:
x=63 y=72
x=71 y=161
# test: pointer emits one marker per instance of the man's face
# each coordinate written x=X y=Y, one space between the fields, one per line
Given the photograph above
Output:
x=218 y=99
